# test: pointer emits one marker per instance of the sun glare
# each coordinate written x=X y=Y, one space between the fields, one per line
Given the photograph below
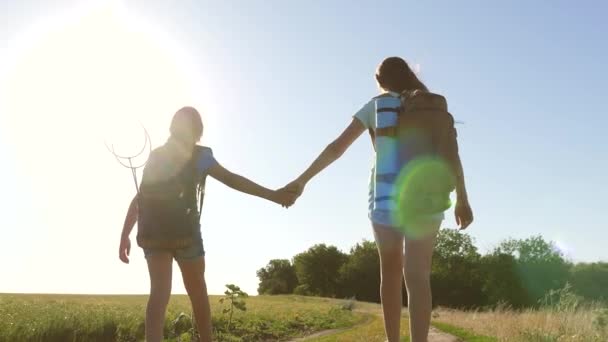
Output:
x=90 y=76
x=79 y=80
x=82 y=76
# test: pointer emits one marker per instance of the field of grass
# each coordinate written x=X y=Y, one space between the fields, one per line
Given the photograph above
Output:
x=587 y=324
x=279 y=318
x=121 y=318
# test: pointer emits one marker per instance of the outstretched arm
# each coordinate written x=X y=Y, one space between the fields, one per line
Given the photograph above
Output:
x=331 y=153
x=245 y=185
x=125 y=243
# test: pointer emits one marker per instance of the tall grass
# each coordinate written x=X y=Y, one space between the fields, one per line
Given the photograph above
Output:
x=121 y=318
x=586 y=324
x=562 y=316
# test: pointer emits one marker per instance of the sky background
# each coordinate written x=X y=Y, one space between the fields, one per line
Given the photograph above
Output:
x=276 y=81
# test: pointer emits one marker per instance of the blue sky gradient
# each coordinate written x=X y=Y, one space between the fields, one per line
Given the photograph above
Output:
x=279 y=80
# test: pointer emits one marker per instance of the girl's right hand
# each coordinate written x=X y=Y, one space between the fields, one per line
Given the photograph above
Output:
x=124 y=249
x=296 y=187
x=284 y=197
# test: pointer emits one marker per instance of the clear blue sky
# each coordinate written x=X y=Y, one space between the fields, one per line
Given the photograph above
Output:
x=278 y=80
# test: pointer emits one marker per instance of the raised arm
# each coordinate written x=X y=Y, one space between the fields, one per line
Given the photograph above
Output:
x=331 y=153
x=245 y=185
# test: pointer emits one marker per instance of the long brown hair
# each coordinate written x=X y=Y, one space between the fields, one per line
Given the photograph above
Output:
x=189 y=116
x=394 y=74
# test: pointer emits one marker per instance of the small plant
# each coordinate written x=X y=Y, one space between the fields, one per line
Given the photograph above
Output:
x=236 y=298
x=183 y=324
x=562 y=300
x=349 y=304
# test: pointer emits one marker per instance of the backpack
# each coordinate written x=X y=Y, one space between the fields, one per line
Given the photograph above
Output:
x=169 y=217
x=416 y=155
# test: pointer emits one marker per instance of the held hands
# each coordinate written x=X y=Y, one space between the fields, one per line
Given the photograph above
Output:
x=288 y=195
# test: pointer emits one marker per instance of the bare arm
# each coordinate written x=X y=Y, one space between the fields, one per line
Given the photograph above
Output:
x=130 y=219
x=245 y=185
x=125 y=243
x=461 y=190
x=331 y=153
x=462 y=212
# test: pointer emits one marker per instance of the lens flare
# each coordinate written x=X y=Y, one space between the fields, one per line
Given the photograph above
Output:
x=422 y=192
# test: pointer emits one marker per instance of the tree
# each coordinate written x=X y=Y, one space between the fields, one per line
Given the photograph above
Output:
x=501 y=283
x=456 y=277
x=278 y=277
x=317 y=269
x=360 y=275
x=540 y=266
x=590 y=280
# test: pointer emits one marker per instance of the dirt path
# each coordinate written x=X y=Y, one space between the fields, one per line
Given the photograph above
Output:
x=436 y=335
x=366 y=321
x=370 y=329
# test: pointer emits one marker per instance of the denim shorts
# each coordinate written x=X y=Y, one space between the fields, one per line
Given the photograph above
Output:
x=188 y=253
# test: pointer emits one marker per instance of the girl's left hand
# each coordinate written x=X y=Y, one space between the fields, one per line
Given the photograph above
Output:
x=284 y=197
x=463 y=213
x=124 y=249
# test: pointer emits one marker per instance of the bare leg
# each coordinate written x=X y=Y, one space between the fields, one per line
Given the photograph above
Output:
x=159 y=267
x=390 y=249
x=417 y=272
x=193 y=274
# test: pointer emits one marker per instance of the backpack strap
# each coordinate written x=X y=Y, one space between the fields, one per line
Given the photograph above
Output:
x=372 y=134
x=201 y=196
x=200 y=190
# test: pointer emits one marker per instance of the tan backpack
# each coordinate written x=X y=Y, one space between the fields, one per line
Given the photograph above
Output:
x=427 y=152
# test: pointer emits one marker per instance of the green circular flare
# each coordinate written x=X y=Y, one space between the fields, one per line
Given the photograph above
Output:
x=422 y=191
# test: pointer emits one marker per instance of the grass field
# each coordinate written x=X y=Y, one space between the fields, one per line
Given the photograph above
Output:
x=586 y=324
x=121 y=318
x=278 y=318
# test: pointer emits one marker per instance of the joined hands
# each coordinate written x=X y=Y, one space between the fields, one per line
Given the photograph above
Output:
x=287 y=195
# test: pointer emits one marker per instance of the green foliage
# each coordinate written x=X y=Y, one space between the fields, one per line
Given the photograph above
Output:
x=590 y=280
x=183 y=328
x=59 y=318
x=318 y=268
x=456 y=277
x=501 y=282
x=562 y=300
x=302 y=290
x=517 y=273
x=359 y=276
x=235 y=298
x=540 y=266
x=349 y=304
x=278 y=277
x=452 y=243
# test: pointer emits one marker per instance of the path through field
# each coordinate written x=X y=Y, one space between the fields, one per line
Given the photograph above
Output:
x=371 y=329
